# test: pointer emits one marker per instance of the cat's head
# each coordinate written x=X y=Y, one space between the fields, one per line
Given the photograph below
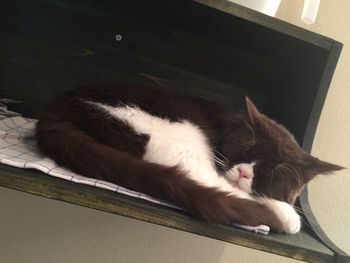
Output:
x=281 y=168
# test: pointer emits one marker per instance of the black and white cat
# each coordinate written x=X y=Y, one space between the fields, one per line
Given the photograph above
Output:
x=225 y=166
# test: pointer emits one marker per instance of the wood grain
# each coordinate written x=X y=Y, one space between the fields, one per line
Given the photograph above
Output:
x=302 y=247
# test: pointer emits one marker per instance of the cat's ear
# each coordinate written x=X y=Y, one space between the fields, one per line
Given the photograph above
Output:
x=315 y=166
x=253 y=113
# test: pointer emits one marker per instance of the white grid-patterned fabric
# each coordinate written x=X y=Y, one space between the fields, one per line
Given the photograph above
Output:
x=18 y=148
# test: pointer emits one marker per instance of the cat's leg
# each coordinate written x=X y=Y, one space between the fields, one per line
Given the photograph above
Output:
x=289 y=218
x=97 y=124
x=280 y=216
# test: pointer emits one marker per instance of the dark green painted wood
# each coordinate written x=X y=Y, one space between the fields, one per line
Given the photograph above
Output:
x=63 y=53
x=302 y=247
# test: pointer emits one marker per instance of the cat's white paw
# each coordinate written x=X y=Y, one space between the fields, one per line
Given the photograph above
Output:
x=288 y=216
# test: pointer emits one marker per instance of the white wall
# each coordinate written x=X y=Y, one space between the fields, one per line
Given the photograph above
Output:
x=35 y=229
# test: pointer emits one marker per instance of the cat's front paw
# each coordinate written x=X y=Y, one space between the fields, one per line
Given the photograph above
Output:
x=288 y=216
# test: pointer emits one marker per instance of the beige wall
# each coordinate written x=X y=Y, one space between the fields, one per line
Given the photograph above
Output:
x=35 y=229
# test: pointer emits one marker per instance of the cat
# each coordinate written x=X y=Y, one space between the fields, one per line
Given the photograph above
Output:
x=222 y=165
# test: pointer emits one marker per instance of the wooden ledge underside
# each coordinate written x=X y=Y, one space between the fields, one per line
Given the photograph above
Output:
x=302 y=246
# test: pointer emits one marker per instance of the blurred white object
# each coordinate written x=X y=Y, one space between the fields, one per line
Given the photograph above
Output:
x=270 y=7
x=310 y=11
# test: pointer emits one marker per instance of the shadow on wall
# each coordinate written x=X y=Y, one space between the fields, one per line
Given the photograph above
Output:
x=35 y=229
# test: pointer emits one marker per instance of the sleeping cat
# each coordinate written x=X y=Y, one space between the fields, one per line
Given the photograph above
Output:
x=222 y=165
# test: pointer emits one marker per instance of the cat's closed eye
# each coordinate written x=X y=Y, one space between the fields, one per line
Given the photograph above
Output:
x=281 y=181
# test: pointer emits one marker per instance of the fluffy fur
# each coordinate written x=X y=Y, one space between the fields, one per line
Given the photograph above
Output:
x=221 y=165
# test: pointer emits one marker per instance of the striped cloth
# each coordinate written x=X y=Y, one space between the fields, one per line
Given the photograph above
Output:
x=18 y=148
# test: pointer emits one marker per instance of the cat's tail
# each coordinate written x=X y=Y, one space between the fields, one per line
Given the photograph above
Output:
x=73 y=148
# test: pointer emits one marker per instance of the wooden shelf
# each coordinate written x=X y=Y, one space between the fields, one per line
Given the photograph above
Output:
x=210 y=48
x=303 y=246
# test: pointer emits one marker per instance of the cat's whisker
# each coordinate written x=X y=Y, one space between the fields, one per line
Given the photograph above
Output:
x=293 y=171
x=262 y=196
x=298 y=209
x=223 y=156
x=272 y=176
x=250 y=128
x=207 y=129
x=301 y=239
x=286 y=234
x=305 y=223
x=283 y=180
x=256 y=193
x=245 y=145
x=218 y=161
x=215 y=159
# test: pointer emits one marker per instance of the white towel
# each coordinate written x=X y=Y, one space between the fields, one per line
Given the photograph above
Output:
x=18 y=148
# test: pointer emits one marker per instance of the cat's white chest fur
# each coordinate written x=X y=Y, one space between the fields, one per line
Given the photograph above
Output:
x=175 y=143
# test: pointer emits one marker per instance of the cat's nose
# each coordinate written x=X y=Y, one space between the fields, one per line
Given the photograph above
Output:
x=242 y=173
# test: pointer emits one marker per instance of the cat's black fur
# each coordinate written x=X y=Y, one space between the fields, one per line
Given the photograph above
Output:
x=82 y=138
